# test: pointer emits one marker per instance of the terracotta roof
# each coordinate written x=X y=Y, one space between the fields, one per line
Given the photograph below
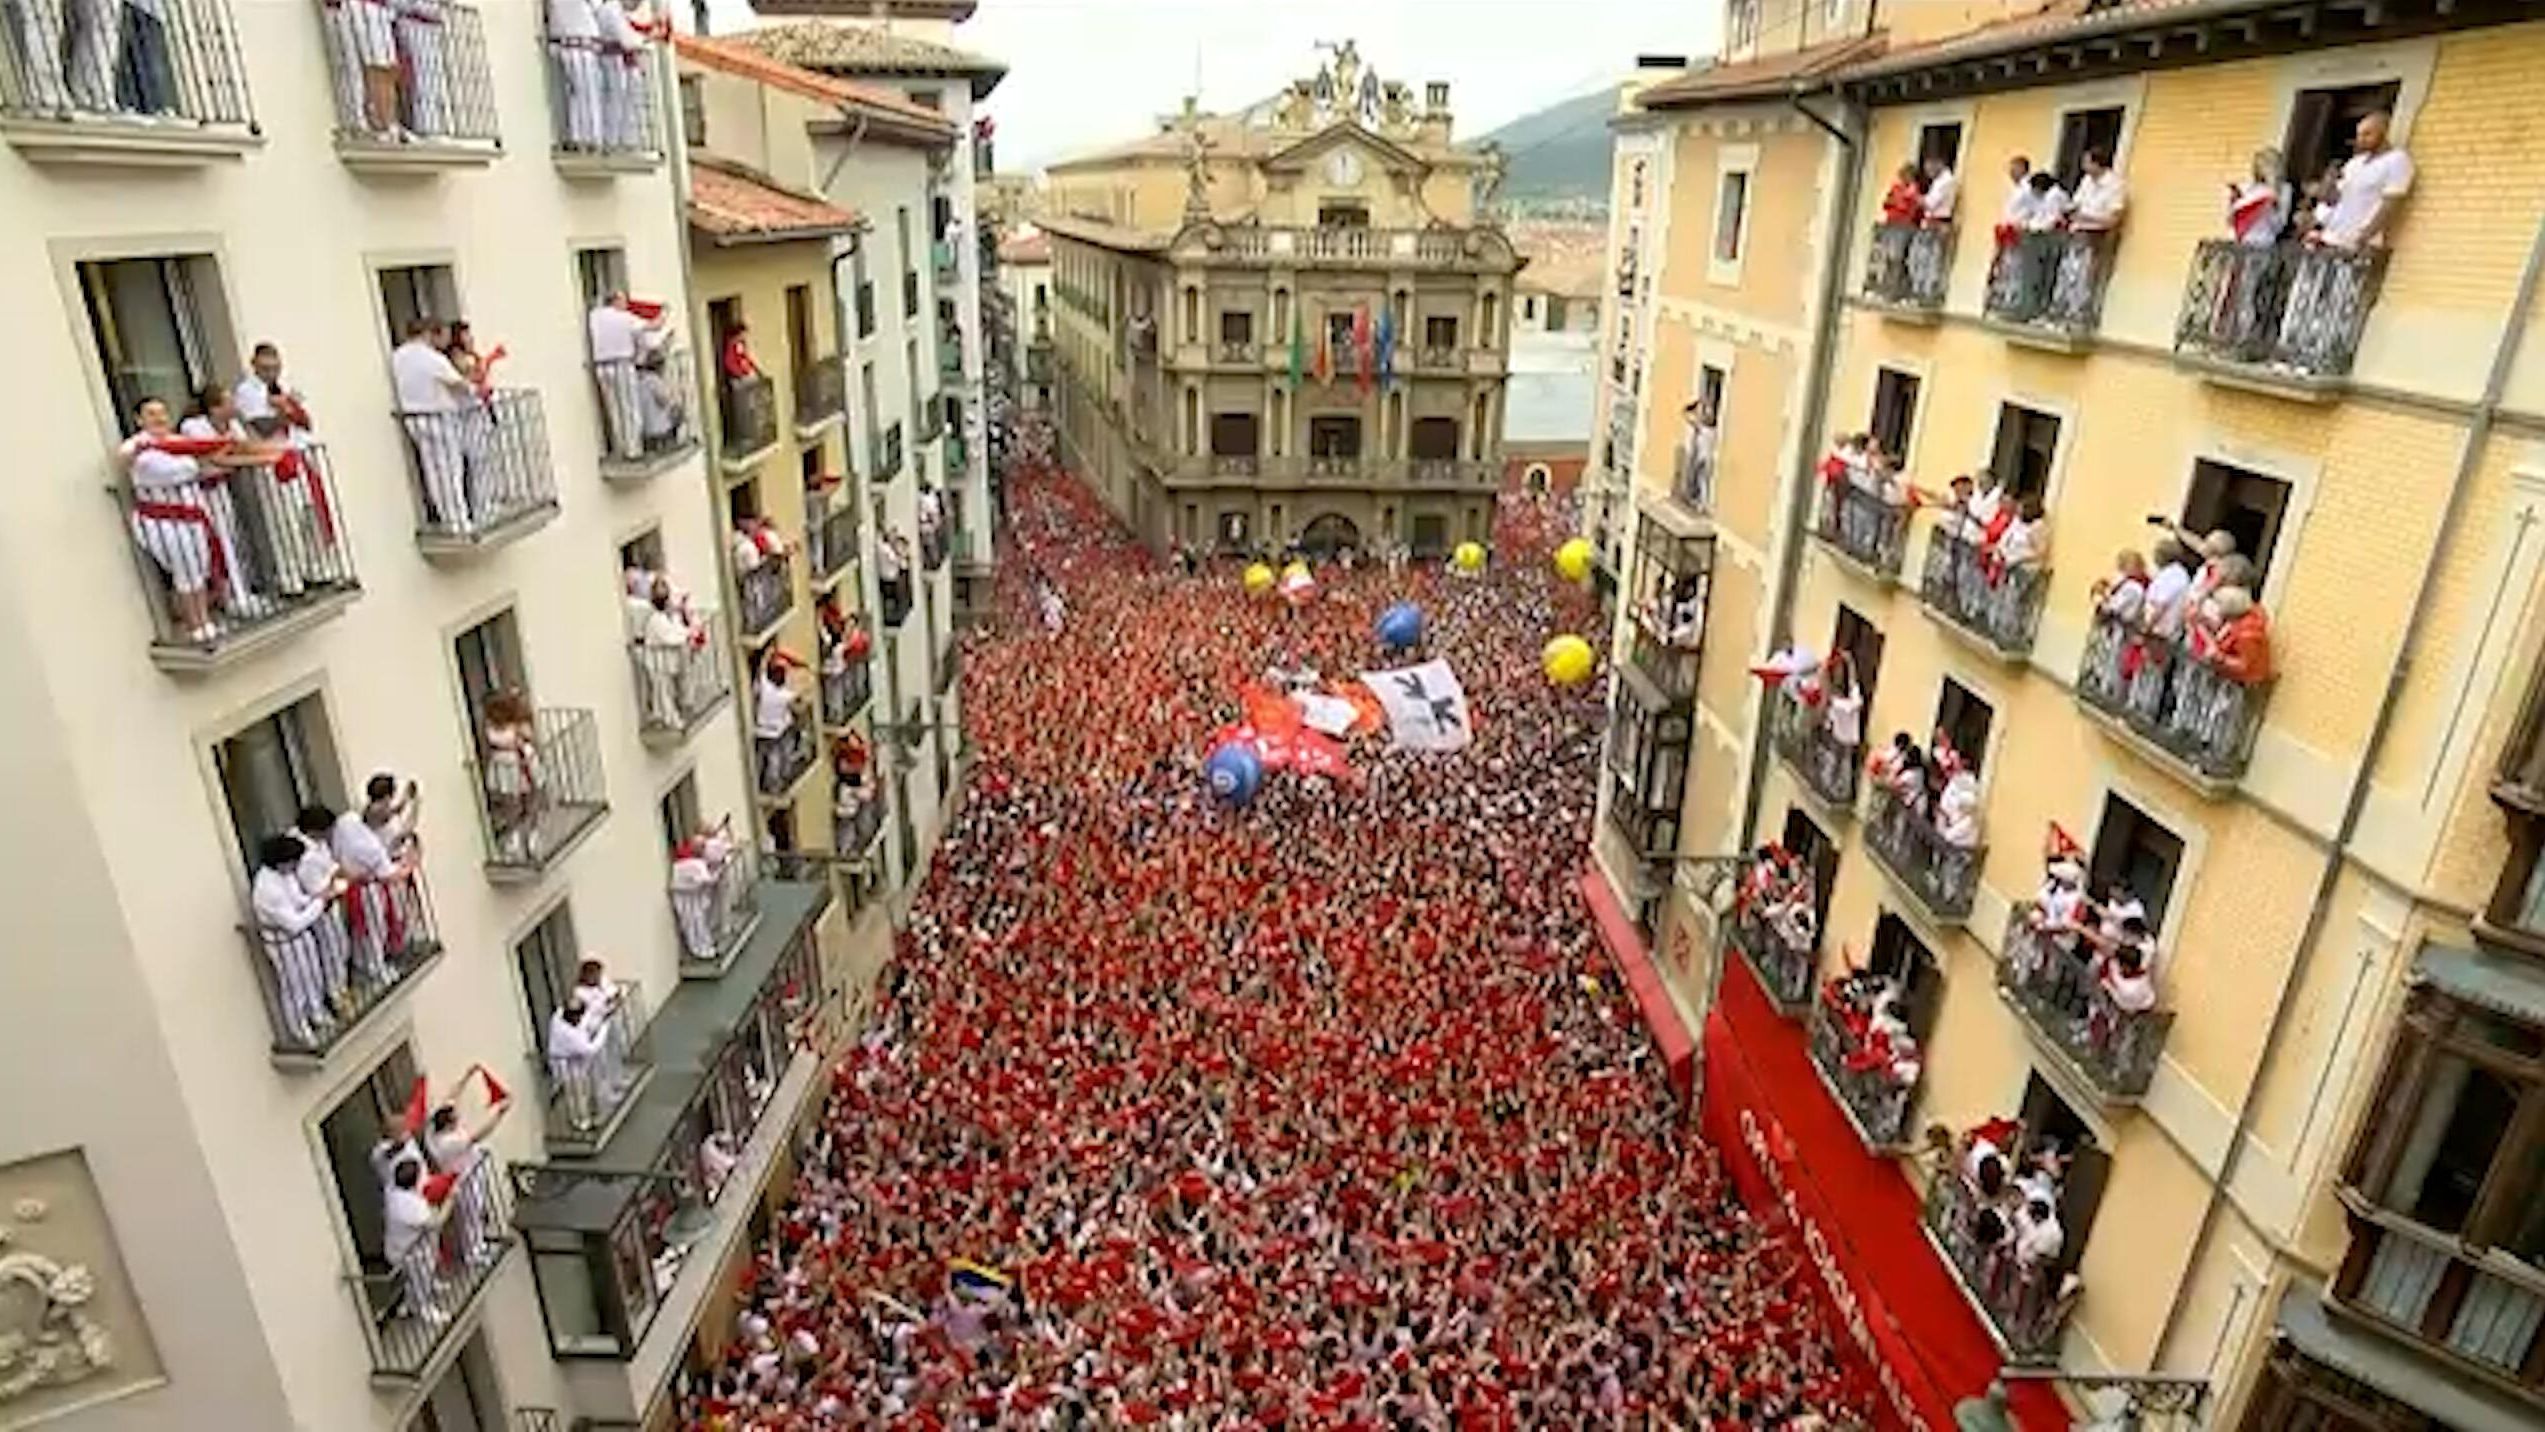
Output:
x=863 y=50
x=1032 y=247
x=1107 y=235
x=735 y=205
x=954 y=10
x=1760 y=78
x=2054 y=22
x=736 y=58
x=1233 y=137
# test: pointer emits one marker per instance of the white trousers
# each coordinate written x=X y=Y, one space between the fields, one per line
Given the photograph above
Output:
x=428 y=87
x=621 y=407
x=33 y=35
x=96 y=52
x=579 y=89
x=441 y=460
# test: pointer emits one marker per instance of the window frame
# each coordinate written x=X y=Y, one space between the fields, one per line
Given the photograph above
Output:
x=2026 y=414
x=1735 y=167
x=1913 y=409
x=322 y=781
x=2280 y=530
x=2164 y=907
x=194 y=287
x=1955 y=701
x=506 y=612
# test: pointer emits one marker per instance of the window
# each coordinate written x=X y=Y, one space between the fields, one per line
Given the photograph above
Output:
x=1898 y=953
x=1488 y=320
x=1940 y=141
x=2047 y=1118
x=2132 y=850
x=866 y=391
x=1731 y=208
x=1334 y=435
x=353 y=1133
x=1528 y=307
x=2453 y=1143
x=1712 y=383
x=2323 y=122
x=1964 y=720
x=2026 y=443
x=1192 y=315
x=1862 y=642
x=1431 y=534
x=489 y=656
x=644 y=550
x=1741 y=26
x=465 y=1400
x=2517 y=907
x=910 y=373
x=412 y=294
x=2249 y=504
x=599 y=273
x=927 y=98
x=1433 y=439
x=909 y=263
x=1237 y=328
x=2084 y=130
x=678 y=811
x=1558 y=319
x=1440 y=330
x=1342 y=214
x=162 y=330
x=1339 y=337
x=693 y=113
x=865 y=290
x=1895 y=410
x=1234 y=435
x=1814 y=848
x=549 y=959
x=270 y=769
x=803 y=343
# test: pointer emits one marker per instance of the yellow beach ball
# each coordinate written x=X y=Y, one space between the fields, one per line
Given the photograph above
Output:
x=1259 y=579
x=1469 y=556
x=1568 y=660
x=1573 y=560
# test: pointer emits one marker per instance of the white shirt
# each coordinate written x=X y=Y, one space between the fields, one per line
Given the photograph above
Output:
x=254 y=400
x=662 y=629
x=282 y=906
x=616 y=32
x=616 y=334
x=2100 y=199
x=1940 y=193
x=2041 y=209
x=1847 y=719
x=573 y=20
x=2126 y=600
x=2038 y=1242
x=773 y=708
x=317 y=868
x=572 y=1045
x=2166 y=591
x=408 y=1221
x=2368 y=180
x=359 y=848
x=2020 y=543
x=157 y=470
x=424 y=378
x=2018 y=201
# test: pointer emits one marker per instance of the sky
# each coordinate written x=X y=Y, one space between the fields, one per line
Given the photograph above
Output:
x=1086 y=73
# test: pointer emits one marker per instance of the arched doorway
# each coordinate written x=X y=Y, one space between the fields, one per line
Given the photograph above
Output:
x=1330 y=533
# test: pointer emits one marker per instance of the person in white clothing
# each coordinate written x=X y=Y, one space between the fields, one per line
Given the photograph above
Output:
x=324 y=878
x=2038 y=1237
x=575 y=1040
x=2010 y=215
x=432 y=398
x=574 y=48
x=458 y=1152
x=698 y=889
x=669 y=659
x=622 y=62
x=1943 y=187
x=286 y=917
x=619 y=338
x=2101 y=196
x=362 y=43
x=2374 y=179
x=662 y=405
x=420 y=54
x=240 y=503
x=776 y=725
x=410 y=1225
x=176 y=520
x=376 y=847
x=93 y=44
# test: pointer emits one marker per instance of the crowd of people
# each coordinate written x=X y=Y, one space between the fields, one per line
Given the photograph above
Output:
x=338 y=909
x=1928 y=811
x=2094 y=961
x=2010 y=1185
x=2180 y=646
x=598 y=49
x=1320 y=1111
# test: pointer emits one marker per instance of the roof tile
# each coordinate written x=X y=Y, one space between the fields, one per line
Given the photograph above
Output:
x=737 y=205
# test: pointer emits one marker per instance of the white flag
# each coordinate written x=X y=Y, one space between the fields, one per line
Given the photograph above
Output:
x=1319 y=712
x=1426 y=707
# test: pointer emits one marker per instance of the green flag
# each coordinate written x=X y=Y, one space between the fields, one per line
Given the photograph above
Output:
x=1298 y=352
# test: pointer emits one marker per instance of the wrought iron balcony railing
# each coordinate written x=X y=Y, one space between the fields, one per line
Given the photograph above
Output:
x=2190 y=710
x=1878 y=1104
x=647 y=406
x=2282 y=307
x=2057 y=989
x=2027 y=1301
x=479 y=471
x=230 y=555
x=853 y=830
x=1972 y=589
x=750 y=410
x=412 y=1296
x=1802 y=736
x=1909 y=265
x=677 y=686
x=86 y=64
x=322 y=978
x=1941 y=876
x=845 y=692
x=1334 y=465
x=883 y=458
x=831 y=541
x=443 y=94
x=821 y=391
x=2051 y=279
x=601 y=105
x=781 y=760
x=764 y=592
x=1862 y=527
x=537 y=800
x=589 y=1082
x=1240 y=351
x=715 y=906
x=1785 y=967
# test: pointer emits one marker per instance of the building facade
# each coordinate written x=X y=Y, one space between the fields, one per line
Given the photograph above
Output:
x=383 y=549
x=2293 y=1183
x=1288 y=326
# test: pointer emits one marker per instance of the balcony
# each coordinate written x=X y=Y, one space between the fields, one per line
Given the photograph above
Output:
x=845 y=693
x=1862 y=530
x=2284 y=318
x=480 y=473
x=1939 y=875
x=648 y=412
x=414 y=1302
x=2186 y=715
x=821 y=394
x=440 y=113
x=1907 y=269
x=1784 y=966
x=932 y=548
x=1977 y=596
x=1334 y=465
x=749 y=407
x=637 y=1234
x=75 y=88
x=2107 y=1049
x=2518 y=777
x=764 y=593
x=830 y=542
x=236 y=559
x=1827 y=769
x=537 y=801
x=853 y=830
x=1235 y=464
x=883 y=455
x=1874 y=1101
x=2481 y=1308
x=602 y=112
x=679 y=687
x=2026 y=1303
x=1450 y=359
x=2045 y=289
x=780 y=761
x=1242 y=352
x=323 y=980
x=1671 y=582
x=592 y=1086
x=715 y=898
x=1288 y=246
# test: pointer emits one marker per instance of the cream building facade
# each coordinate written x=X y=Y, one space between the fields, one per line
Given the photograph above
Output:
x=1200 y=271
x=2300 y=1178
x=195 y=1087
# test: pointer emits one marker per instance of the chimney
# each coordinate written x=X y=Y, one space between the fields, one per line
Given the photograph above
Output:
x=1436 y=97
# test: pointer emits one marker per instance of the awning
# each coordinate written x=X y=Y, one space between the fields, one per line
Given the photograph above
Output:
x=2393 y=1368
x=1898 y=1310
x=1634 y=966
x=2487 y=979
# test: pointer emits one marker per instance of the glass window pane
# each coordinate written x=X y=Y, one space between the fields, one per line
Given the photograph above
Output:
x=2464 y=1114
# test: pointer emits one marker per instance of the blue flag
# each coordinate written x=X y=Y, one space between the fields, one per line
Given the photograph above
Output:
x=1387 y=344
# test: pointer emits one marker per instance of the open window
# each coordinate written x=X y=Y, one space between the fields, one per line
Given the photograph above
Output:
x=2050 y=1122
x=272 y=767
x=1235 y=435
x=1862 y=641
x=162 y=329
x=1433 y=439
x=414 y=293
x=1334 y=435
x=2456 y=1139
x=2252 y=505
x=1940 y=141
x=490 y=661
x=600 y=272
x=1895 y=410
x=1731 y=214
x=1440 y=330
x=1339 y=337
x=1237 y=327
x=549 y=959
x=1964 y=719
x=678 y=811
x=2027 y=444
x=2131 y=849
x=2085 y=131
x=355 y=1134
x=1899 y=954
x=2324 y=122
x=1812 y=845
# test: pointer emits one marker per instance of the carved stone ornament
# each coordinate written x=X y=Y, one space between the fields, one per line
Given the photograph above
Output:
x=47 y=1338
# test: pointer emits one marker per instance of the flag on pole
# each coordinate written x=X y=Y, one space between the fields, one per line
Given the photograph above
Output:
x=1387 y=344
x=1362 y=368
x=1325 y=352
x=1298 y=347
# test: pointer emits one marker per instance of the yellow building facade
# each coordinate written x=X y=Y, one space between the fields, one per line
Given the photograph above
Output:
x=2246 y=1214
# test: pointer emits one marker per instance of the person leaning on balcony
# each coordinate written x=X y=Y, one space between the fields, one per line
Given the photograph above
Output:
x=2017 y=204
x=214 y=418
x=574 y=46
x=2101 y=196
x=2373 y=180
x=698 y=870
x=619 y=337
x=574 y=1043
x=1845 y=712
x=409 y=1221
x=300 y=522
x=286 y=914
x=511 y=744
x=2121 y=595
x=622 y=75
x=2169 y=587
x=455 y=1151
x=177 y=521
x=431 y=392
x=773 y=715
x=1905 y=200
x=1942 y=188
x=666 y=639
x=377 y=848
x=734 y=360
x=2258 y=207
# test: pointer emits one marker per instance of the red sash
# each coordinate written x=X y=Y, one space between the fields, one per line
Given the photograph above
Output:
x=294 y=466
x=191 y=515
x=358 y=912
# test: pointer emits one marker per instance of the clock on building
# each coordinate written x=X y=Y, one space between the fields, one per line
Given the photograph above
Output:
x=1343 y=167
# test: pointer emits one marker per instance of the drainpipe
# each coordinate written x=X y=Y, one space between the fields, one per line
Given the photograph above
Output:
x=1789 y=555
x=2469 y=456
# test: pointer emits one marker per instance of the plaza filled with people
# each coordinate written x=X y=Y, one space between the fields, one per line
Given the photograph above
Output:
x=1320 y=1109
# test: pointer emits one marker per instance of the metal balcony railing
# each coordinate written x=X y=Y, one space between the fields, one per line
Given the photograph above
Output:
x=782 y=760
x=1878 y=1103
x=1443 y=358
x=1669 y=660
x=845 y=692
x=443 y=93
x=1862 y=527
x=2285 y=307
x=821 y=391
x=678 y=685
x=883 y=454
x=601 y=104
x=1234 y=464
x=647 y=404
x=1693 y=477
x=1941 y=875
x=477 y=469
x=536 y=800
x=1334 y=465
x=854 y=831
x=230 y=552
x=932 y=548
x=412 y=1296
x=1802 y=737
x=1969 y=587
x=87 y=63
x=749 y=407
x=2478 y=1306
x=2051 y=279
x=322 y=978
x=588 y=1084
x=1909 y=265
x=1785 y=967
x=2026 y=1301
x=2518 y=777
x=765 y=591
x=2115 y=1048
x=831 y=541
x=2157 y=689
x=715 y=905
